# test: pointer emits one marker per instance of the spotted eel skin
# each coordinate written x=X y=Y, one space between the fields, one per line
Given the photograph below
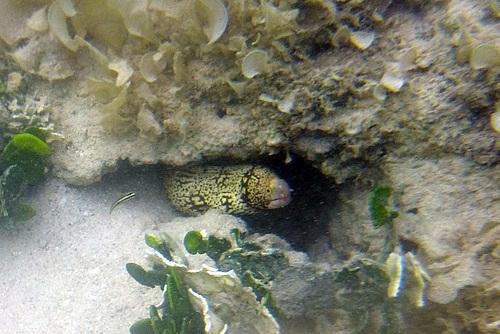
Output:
x=239 y=189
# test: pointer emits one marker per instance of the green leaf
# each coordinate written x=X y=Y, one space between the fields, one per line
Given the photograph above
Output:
x=22 y=212
x=12 y=182
x=142 y=327
x=184 y=326
x=139 y=274
x=32 y=164
x=29 y=142
x=152 y=241
x=217 y=246
x=167 y=247
x=176 y=279
x=177 y=315
x=37 y=132
x=156 y=322
x=172 y=327
x=194 y=243
x=171 y=296
x=378 y=206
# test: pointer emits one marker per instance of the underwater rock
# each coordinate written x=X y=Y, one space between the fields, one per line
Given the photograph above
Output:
x=219 y=296
x=283 y=279
x=147 y=124
x=449 y=235
x=305 y=287
x=41 y=57
x=228 y=306
x=320 y=85
x=13 y=19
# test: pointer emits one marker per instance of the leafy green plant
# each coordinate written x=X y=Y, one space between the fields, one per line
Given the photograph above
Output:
x=254 y=265
x=22 y=162
x=176 y=314
x=214 y=247
x=378 y=206
x=22 y=212
x=194 y=243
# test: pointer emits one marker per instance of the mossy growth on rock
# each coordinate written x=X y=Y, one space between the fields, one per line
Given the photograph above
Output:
x=255 y=265
x=290 y=289
x=22 y=163
x=378 y=205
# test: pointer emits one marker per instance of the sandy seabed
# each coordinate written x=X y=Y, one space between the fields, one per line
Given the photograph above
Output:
x=63 y=271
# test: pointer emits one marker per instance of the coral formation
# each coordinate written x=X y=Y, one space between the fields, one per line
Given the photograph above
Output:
x=171 y=70
x=404 y=91
x=283 y=280
x=206 y=300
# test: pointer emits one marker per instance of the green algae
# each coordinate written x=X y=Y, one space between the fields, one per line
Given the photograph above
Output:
x=37 y=132
x=378 y=206
x=12 y=184
x=29 y=142
x=23 y=212
x=214 y=247
x=176 y=314
x=167 y=247
x=194 y=243
x=31 y=164
x=197 y=299
x=254 y=265
x=140 y=275
x=22 y=162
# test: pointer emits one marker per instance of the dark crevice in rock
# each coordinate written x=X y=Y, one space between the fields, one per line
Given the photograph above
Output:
x=307 y=217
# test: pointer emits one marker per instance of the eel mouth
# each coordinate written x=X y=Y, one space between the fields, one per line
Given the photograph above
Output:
x=281 y=194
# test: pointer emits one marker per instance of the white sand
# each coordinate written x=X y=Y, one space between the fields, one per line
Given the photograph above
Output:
x=64 y=270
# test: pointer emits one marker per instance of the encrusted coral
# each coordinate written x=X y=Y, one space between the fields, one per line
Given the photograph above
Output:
x=337 y=70
x=349 y=86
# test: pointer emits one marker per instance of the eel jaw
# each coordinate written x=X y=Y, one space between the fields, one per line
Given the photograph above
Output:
x=281 y=194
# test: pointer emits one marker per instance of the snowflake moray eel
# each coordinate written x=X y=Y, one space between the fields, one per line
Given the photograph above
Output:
x=239 y=189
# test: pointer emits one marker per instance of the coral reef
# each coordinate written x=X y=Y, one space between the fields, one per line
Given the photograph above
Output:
x=195 y=294
x=283 y=280
x=447 y=209
x=404 y=93
x=188 y=94
x=272 y=79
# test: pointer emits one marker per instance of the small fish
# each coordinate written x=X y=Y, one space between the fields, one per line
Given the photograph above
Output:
x=122 y=199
